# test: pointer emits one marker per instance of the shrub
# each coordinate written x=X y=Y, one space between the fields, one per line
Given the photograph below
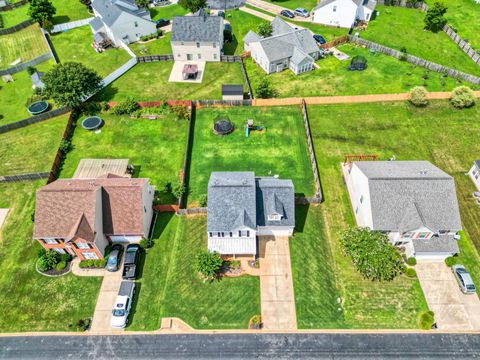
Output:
x=1 y=22
x=178 y=190
x=450 y=261
x=31 y=70
x=410 y=272
x=48 y=260
x=152 y=36
x=144 y=243
x=264 y=29
x=418 y=96
x=411 y=261
x=372 y=254
x=434 y=19
x=181 y=112
x=203 y=200
x=463 y=97
x=265 y=90
x=126 y=108
x=104 y=106
x=65 y=146
x=99 y=263
x=427 y=319
x=61 y=265
x=208 y=264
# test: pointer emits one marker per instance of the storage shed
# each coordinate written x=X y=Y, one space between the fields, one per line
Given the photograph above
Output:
x=232 y=92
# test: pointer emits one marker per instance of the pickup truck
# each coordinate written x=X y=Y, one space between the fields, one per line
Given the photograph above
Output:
x=132 y=256
x=123 y=304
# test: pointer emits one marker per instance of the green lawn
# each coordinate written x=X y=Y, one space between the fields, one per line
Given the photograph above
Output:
x=242 y=23
x=14 y=95
x=75 y=45
x=293 y=4
x=280 y=149
x=30 y=301
x=69 y=10
x=149 y=81
x=170 y=286
x=385 y=129
x=398 y=27
x=167 y=12
x=15 y=16
x=383 y=75
x=155 y=147
x=32 y=148
x=159 y=46
x=25 y=45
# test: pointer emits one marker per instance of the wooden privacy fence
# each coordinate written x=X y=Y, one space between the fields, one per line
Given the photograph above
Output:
x=213 y=103
x=230 y=58
x=33 y=119
x=13 y=5
x=247 y=80
x=462 y=44
x=24 y=177
x=18 y=27
x=185 y=174
x=335 y=42
x=153 y=58
x=192 y=211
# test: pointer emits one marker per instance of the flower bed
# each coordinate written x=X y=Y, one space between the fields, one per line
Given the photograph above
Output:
x=54 y=272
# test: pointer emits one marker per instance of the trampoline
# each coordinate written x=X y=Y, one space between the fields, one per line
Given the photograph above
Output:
x=38 y=107
x=222 y=126
x=92 y=123
x=358 y=63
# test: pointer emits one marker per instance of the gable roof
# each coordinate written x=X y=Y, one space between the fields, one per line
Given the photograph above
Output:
x=275 y=196
x=197 y=28
x=407 y=195
x=66 y=208
x=111 y=10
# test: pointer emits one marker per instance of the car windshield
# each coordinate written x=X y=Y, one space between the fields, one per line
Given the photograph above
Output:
x=112 y=260
x=470 y=287
x=118 y=312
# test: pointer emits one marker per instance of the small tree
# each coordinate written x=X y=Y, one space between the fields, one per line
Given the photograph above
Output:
x=178 y=190
x=208 y=264
x=41 y=11
x=69 y=83
x=372 y=254
x=418 y=96
x=126 y=107
x=434 y=19
x=426 y=320
x=193 y=5
x=48 y=260
x=142 y=3
x=463 y=97
x=265 y=90
x=181 y=112
x=264 y=29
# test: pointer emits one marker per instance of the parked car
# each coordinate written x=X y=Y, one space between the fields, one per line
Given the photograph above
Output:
x=221 y=13
x=319 y=39
x=301 y=12
x=162 y=22
x=227 y=26
x=287 y=14
x=464 y=279
x=132 y=256
x=113 y=262
x=161 y=2
x=123 y=304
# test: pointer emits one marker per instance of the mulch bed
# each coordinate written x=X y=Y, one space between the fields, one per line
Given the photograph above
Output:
x=230 y=271
x=55 y=272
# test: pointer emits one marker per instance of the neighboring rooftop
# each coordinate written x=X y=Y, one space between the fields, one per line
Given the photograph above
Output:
x=111 y=10
x=197 y=28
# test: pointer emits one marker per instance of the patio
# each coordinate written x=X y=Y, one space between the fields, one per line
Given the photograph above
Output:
x=94 y=168
x=187 y=71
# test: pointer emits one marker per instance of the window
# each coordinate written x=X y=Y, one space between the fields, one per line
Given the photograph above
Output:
x=90 y=255
x=214 y=45
x=199 y=56
x=368 y=16
x=356 y=210
x=82 y=245
x=144 y=209
x=423 y=235
x=215 y=56
x=361 y=199
x=50 y=241
x=210 y=234
x=198 y=44
x=60 y=251
x=240 y=233
x=136 y=24
x=231 y=234
x=335 y=8
x=248 y=233
x=219 y=234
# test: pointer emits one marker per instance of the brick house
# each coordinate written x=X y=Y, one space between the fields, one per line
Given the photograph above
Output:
x=82 y=216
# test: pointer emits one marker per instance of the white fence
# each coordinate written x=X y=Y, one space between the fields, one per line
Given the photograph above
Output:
x=70 y=25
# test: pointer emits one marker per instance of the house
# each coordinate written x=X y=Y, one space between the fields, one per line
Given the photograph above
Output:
x=198 y=37
x=120 y=21
x=37 y=82
x=474 y=173
x=242 y=206
x=82 y=216
x=343 y=13
x=413 y=202
x=232 y=92
x=287 y=48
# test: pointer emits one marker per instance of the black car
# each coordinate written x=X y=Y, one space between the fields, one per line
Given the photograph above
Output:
x=162 y=22
x=132 y=257
x=287 y=14
x=221 y=13
x=319 y=39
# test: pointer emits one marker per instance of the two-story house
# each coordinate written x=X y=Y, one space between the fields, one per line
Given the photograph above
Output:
x=242 y=206
x=413 y=202
x=198 y=37
x=343 y=13
x=82 y=216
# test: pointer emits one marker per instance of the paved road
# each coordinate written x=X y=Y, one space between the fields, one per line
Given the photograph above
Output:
x=244 y=346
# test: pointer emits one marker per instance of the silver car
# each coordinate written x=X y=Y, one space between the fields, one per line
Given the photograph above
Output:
x=113 y=262
x=464 y=279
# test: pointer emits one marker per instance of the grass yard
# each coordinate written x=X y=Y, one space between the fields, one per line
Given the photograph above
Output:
x=155 y=147
x=384 y=74
x=167 y=12
x=242 y=23
x=149 y=81
x=159 y=46
x=32 y=148
x=398 y=27
x=25 y=45
x=293 y=4
x=15 y=16
x=14 y=95
x=280 y=149
x=170 y=286
x=385 y=129
x=30 y=301
x=69 y=10
x=75 y=45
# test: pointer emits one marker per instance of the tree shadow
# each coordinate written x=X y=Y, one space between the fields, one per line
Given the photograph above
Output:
x=60 y=19
x=133 y=309
x=230 y=47
x=107 y=94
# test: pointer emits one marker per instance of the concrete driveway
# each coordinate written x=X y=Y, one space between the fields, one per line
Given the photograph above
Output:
x=453 y=309
x=276 y=9
x=276 y=284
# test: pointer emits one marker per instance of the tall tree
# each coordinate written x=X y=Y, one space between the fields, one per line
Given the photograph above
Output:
x=193 y=5
x=264 y=29
x=69 y=83
x=434 y=19
x=41 y=11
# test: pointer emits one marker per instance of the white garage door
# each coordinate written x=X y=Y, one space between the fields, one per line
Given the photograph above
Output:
x=125 y=239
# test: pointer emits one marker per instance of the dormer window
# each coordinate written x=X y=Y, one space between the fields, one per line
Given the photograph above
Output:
x=51 y=241
x=274 y=217
x=198 y=44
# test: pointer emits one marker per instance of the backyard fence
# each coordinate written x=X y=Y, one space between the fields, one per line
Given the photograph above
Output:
x=18 y=27
x=13 y=5
x=230 y=58
x=462 y=44
x=302 y=200
x=50 y=46
x=335 y=42
x=213 y=103
x=403 y=3
x=24 y=177
x=313 y=159
x=33 y=120
x=188 y=151
x=22 y=66
x=416 y=60
x=70 y=25
x=153 y=58
x=119 y=72
x=192 y=211
x=247 y=80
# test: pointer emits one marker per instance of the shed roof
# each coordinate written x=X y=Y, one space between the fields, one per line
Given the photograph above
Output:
x=232 y=89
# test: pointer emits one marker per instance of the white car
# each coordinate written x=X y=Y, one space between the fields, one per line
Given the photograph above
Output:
x=123 y=304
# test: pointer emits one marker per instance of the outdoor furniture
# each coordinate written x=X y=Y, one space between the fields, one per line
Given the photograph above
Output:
x=190 y=72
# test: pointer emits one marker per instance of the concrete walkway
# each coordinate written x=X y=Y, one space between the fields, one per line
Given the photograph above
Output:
x=453 y=309
x=276 y=285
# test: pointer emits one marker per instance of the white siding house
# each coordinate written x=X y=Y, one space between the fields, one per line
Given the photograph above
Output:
x=474 y=173
x=343 y=13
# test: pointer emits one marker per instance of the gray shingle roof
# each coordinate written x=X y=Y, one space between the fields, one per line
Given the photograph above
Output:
x=275 y=196
x=251 y=37
x=232 y=89
x=440 y=244
x=406 y=195
x=197 y=28
x=111 y=10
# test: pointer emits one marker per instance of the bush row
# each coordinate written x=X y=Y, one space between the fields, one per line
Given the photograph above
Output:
x=462 y=97
x=99 y=263
x=155 y=35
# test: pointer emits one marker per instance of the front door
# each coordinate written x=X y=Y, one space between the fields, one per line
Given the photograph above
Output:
x=189 y=56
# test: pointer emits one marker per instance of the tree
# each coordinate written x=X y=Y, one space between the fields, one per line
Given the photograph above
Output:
x=463 y=97
x=69 y=83
x=372 y=254
x=434 y=19
x=264 y=29
x=193 y=5
x=418 y=96
x=208 y=264
x=86 y=2
x=265 y=90
x=426 y=320
x=41 y=11
x=142 y=3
